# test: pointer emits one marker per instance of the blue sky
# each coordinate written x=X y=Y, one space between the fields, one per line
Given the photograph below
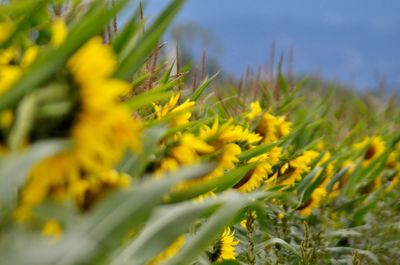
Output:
x=356 y=42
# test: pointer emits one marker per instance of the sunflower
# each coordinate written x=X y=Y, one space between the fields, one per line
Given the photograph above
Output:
x=219 y=142
x=314 y=202
x=102 y=130
x=188 y=149
x=272 y=128
x=181 y=111
x=255 y=111
x=224 y=249
x=292 y=171
x=228 y=132
x=373 y=146
x=162 y=111
x=255 y=178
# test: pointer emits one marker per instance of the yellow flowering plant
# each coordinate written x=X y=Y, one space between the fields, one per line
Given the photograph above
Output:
x=108 y=156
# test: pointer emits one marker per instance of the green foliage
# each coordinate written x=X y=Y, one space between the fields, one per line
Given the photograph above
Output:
x=162 y=172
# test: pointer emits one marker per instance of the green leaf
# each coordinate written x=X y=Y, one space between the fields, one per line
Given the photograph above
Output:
x=199 y=91
x=164 y=79
x=191 y=126
x=304 y=185
x=216 y=184
x=283 y=85
x=161 y=231
x=336 y=178
x=256 y=151
x=127 y=34
x=358 y=217
x=24 y=121
x=150 y=96
x=17 y=8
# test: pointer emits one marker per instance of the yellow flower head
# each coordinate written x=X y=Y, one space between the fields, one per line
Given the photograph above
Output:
x=185 y=155
x=196 y=144
x=9 y=55
x=314 y=202
x=189 y=148
x=162 y=111
x=283 y=127
x=102 y=131
x=8 y=76
x=255 y=110
x=304 y=160
x=237 y=133
x=274 y=155
x=12 y=64
x=350 y=165
x=259 y=174
x=59 y=32
x=29 y=56
x=394 y=182
x=114 y=179
x=228 y=132
x=293 y=170
x=104 y=128
x=167 y=164
x=207 y=132
x=229 y=156
x=393 y=159
x=254 y=178
x=93 y=61
x=272 y=128
x=225 y=247
x=244 y=224
x=280 y=216
x=49 y=175
x=102 y=138
x=99 y=96
x=182 y=111
x=374 y=147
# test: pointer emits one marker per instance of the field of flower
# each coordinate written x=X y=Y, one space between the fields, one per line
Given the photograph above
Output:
x=110 y=154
